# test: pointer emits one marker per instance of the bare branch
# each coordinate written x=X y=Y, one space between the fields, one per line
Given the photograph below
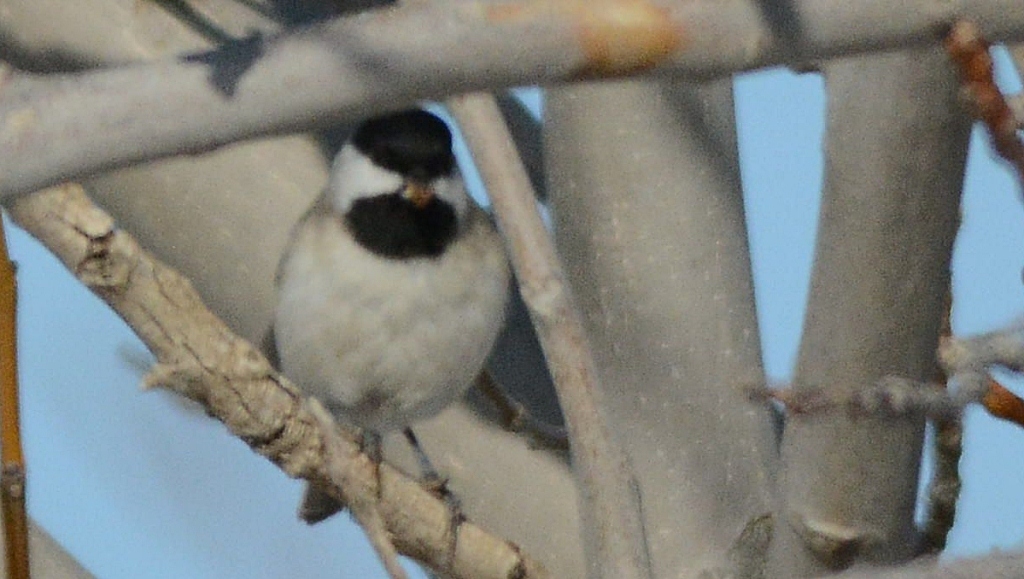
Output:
x=516 y=418
x=1002 y=348
x=970 y=51
x=897 y=143
x=527 y=133
x=336 y=71
x=647 y=216
x=12 y=458
x=944 y=488
x=890 y=397
x=948 y=446
x=615 y=542
x=201 y=359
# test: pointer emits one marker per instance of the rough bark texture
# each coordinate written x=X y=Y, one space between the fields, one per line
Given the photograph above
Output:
x=896 y=147
x=643 y=181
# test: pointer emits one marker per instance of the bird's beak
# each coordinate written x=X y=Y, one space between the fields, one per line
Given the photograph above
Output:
x=418 y=193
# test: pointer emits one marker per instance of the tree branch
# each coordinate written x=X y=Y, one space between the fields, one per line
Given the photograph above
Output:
x=12 y=458
x=969 y=50
x=614 y=533
x=349 y=67
x=647 y=212
x=200 y=358
x=897 y=144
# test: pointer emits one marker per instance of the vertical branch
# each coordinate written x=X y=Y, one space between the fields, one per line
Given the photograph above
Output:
x=944 y=489
x=12 y=476
x=609 y=499
x=644 y=187
x=896 y=148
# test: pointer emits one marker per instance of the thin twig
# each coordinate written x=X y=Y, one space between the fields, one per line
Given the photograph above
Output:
x=12 y=459
x=976 y=354
x=516 y=418
x=891 y=396
x=944 y=487
x=200 y=358
x=969 y=50
x=609 y=501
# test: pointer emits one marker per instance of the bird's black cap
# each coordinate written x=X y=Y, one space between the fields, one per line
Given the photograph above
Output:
x=414 y=143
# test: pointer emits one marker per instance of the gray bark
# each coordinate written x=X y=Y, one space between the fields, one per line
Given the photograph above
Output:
x=896 y=146
x=248 y=89
x=643 y=181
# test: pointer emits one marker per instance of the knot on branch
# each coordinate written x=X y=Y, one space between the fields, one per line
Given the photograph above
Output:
x=104 y=268
x=836 y=545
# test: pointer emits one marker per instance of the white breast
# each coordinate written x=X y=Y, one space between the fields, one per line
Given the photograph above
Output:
x=385 y=342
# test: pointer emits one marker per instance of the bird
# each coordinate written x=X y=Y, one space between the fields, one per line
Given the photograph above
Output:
x=393 y=286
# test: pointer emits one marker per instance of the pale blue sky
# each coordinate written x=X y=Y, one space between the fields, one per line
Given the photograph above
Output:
x=115 y=477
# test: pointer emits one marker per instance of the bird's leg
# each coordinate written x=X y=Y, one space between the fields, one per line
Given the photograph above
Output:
x=438 y=485
x=430 y=478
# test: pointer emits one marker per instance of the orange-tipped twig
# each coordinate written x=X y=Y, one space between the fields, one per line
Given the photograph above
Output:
x=12 y=461
x=1002 y=403
x=970 y=52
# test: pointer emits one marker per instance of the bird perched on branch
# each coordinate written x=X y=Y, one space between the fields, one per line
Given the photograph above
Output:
x=393 y=287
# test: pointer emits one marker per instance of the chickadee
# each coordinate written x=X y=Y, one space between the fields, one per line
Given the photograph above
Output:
x=392 y=289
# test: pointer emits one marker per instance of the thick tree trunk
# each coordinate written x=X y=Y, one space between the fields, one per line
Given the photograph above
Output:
x=643 y=178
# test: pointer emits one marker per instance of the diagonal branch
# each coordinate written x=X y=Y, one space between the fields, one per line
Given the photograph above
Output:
x=969 y=50
x=349 y=67
x=615 y=541
x=200 y=358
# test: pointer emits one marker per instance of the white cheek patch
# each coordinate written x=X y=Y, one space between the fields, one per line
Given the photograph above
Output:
x=354 y=175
